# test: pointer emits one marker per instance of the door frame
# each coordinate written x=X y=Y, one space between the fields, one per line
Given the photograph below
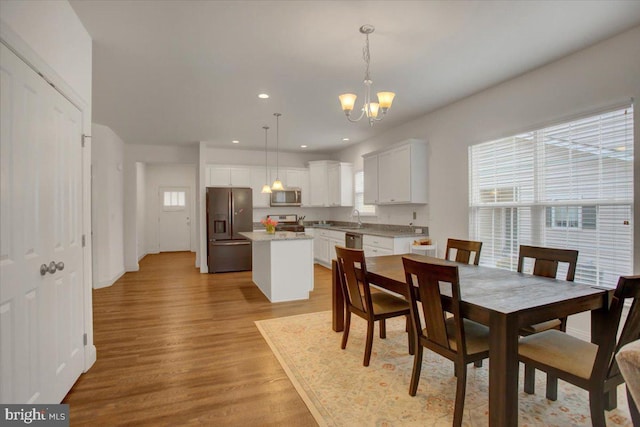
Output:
x=17 y=45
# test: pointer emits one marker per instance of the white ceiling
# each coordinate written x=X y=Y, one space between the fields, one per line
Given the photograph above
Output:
x=179 y=72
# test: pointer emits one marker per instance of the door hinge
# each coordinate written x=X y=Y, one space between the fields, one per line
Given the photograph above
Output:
x=84 y=137
x=84 y=241
x=84 y=339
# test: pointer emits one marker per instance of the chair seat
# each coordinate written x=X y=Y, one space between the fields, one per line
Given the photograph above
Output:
x=476 y=336
x=385 y=303
x=542 y=326
x=560 y=351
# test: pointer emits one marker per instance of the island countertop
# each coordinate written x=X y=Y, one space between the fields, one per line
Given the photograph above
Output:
x=263 y=236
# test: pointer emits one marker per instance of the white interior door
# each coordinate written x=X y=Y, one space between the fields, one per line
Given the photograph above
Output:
x=174 y=221
x=41 y=315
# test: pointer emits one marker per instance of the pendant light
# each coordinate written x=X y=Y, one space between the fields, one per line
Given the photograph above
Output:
x=277 y=184
x=265 y=188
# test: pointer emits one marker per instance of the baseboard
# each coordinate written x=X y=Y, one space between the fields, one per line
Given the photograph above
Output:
x=90 y=356
x=108 y=282
x=142 y=256
x=131 y=268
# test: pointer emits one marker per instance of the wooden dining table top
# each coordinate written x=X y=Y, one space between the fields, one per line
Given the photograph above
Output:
x=494 y=289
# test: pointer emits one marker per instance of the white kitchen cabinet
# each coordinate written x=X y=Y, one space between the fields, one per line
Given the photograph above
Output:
x=370 y=172
x=401 y=173
x=331 y=183
x=321 y=246
x=299 y=178
x=324 y=245
x=378 y=246
x=234 y=176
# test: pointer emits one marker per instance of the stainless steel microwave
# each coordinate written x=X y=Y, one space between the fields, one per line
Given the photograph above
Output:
x=286 y=197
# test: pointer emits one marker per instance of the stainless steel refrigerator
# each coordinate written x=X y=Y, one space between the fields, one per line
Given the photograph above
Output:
x=229 y=211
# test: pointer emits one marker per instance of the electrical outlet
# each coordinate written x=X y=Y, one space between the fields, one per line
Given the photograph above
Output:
x=418 y=230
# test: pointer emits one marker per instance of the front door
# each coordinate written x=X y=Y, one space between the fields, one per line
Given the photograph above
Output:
x=174 y=222
x=41 y=268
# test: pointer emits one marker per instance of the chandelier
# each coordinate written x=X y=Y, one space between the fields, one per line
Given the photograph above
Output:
x=370 y=109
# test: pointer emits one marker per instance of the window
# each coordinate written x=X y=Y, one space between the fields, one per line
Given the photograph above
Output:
x=566 y=186
x=173 y=200
x=358 y=200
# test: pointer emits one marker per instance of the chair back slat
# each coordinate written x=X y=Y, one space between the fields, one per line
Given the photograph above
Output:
x=464 y=249
x=427 y=289
x=547 y=260
x=352 y=270
x=628 y=288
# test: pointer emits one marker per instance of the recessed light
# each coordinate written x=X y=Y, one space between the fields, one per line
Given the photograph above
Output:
x=303 y=146
x=235 y=141
x=263 y=96
x=345 y=139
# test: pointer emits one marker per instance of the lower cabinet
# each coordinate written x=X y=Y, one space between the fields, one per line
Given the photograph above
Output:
x=379 y=246
x=324 y=245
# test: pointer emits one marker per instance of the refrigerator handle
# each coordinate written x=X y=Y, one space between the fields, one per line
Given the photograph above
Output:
x=231 y=212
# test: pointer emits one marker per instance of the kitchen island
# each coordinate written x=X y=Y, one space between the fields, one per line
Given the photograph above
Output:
x=282 y=264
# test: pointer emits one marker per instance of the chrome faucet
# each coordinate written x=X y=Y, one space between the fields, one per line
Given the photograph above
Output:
x=357 y=212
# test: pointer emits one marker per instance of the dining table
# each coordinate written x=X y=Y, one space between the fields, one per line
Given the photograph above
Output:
x=503 y=300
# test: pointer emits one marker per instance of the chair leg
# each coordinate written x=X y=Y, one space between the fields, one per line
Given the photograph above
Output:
x=529 y=379
x=596 y=405
x=611 y=399
x=383 y=328
x=460 y=393
x=369 y=344
x=552 y=387
x=417 y=367
x=633 y=409
x=345 y=334
x=410 y=335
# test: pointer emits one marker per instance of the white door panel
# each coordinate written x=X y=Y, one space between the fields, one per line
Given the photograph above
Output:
x=174 y=222
x=41 y=334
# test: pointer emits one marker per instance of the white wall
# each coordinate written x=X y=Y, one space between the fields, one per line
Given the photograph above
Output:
x=605 y=74
x=141 y=172
x=50 y=37
x=107 y=206
x=149 y=154
x=162 y=175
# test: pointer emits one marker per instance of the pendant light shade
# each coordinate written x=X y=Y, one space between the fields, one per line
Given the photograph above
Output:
x=277 y=184
x=265 y=188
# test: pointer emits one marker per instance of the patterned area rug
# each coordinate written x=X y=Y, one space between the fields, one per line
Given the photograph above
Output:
x=339 y=391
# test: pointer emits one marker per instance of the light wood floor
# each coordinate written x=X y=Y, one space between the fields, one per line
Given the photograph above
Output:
x=176 y=347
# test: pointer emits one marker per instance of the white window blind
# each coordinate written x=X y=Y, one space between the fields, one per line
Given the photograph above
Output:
x=564 y=186
x=359 y=196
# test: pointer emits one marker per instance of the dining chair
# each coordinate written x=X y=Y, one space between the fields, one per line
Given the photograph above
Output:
x=546 y=261
x=628 y=358
x=459 y=340
x=464 y=248
x=589 y=366
x=359 y=300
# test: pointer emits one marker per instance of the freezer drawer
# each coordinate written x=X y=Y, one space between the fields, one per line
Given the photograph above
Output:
x=229 y=256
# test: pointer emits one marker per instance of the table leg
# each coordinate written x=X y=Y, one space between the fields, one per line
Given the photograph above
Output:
x=337 y=299
x=598 y=334
x=503 y=370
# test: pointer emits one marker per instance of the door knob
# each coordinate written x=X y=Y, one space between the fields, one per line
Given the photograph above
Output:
x=60 y=266
x=51 y=268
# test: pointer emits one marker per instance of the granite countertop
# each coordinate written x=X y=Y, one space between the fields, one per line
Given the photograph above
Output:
x=263 y=236
x=373 y=230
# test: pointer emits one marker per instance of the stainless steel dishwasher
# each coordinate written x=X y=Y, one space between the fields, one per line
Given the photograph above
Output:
x=353 y=240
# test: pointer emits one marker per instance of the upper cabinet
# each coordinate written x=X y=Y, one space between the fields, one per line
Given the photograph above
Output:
x=330 y=183
x=255 y=177
x=396 y=175
x=236 y=176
